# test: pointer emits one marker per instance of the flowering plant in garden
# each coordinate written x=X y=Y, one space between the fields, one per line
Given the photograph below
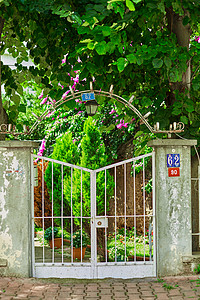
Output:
x=48 y=233
x=79 y=237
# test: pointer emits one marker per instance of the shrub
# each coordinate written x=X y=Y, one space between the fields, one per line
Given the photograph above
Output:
x=64 y=150
x=48 y=233
x=93 y=157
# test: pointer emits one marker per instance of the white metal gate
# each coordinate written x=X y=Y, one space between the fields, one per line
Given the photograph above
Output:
x=114 y=206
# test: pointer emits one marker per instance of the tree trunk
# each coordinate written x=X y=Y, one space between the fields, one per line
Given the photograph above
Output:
x=3 y=114
x=175 y=25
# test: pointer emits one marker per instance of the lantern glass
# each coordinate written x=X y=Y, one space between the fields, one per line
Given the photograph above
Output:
x=91 y=107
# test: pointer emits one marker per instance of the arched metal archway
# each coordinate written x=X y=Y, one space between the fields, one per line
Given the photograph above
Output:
x=10 y=129
x=74 y=95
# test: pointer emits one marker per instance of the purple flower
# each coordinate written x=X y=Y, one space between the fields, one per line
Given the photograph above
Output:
x=197 y=39
x=112 y=111
x=78 y=101
x=79 y=60
x=42 y=148
x=44 y=100
x=120 y=125
x=62 y=86
x=64 y=60
x=65 y=95
x=41 y=95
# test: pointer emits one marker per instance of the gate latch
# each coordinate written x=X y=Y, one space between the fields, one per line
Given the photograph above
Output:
x=101 y=222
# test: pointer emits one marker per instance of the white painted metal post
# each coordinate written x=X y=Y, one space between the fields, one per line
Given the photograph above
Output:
x=93 y=228
x=43 y=259
x=62 y=207
x=135 y=222
x=125 y=211
x=199 y=197
x=144 y=207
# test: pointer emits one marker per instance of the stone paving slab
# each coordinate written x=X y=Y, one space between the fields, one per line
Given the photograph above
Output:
x=168 y=288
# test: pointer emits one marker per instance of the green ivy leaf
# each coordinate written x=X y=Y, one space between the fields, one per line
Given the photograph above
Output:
x=130 y=5
x=16 y=99
x=138 y=134
x=184 y=119
x=121 y=63
x=22 y=108
x=111 y=127
x=157 y=63
x=106 y=30
x=139 y=60
x=91 y=45
x=132 y=59
x=168 y=62
x=42 y=42
x=101 y=48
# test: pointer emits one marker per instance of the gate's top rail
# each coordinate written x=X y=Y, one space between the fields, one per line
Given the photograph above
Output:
x=124 y=162
x=90 y=170
x=61 y=163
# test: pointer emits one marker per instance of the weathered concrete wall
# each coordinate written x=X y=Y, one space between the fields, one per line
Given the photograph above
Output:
x=15 y=208
x=173 y=207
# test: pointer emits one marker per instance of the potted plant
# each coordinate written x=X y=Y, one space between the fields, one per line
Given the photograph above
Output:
x=57 y=238
x=77 y=236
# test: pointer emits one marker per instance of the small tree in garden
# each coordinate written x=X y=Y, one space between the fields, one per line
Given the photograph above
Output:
x=38 y=203
x=93 y=157
x=66 y=151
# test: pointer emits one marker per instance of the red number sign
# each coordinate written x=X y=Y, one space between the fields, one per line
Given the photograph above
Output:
x=173 y=172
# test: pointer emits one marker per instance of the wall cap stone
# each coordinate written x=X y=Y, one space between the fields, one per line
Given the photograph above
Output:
x=171 y=142
x=19 y=144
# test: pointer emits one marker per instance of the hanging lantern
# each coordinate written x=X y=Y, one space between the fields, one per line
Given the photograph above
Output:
x=91 y=107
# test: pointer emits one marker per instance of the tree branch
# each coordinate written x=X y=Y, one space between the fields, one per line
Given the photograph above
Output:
x=194 y=73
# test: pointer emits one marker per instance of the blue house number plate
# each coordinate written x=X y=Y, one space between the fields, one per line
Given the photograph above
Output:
x=173 y=160
x=88 y=96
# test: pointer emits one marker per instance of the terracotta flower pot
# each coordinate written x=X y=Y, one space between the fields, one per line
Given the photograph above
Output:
x=57 y=243
x=77 y=253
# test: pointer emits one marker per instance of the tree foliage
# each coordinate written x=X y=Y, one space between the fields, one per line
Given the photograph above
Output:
x=145 y=48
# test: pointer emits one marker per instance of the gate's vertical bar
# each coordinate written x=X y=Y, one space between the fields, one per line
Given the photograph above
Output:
x=62 y=208
x=72 y=216
x=115 y=216
x=81 y=215
x=32 y=213
x=199 y=197
x=125 y=208
x=154 y=212
x=93 y=227
x=43 y=211
x=134 y=203
x=52 y=214
x=106 y=253
x=144 y=206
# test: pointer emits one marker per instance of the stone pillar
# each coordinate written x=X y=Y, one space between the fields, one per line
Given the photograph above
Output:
x=15 y=208
x=173 y=206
